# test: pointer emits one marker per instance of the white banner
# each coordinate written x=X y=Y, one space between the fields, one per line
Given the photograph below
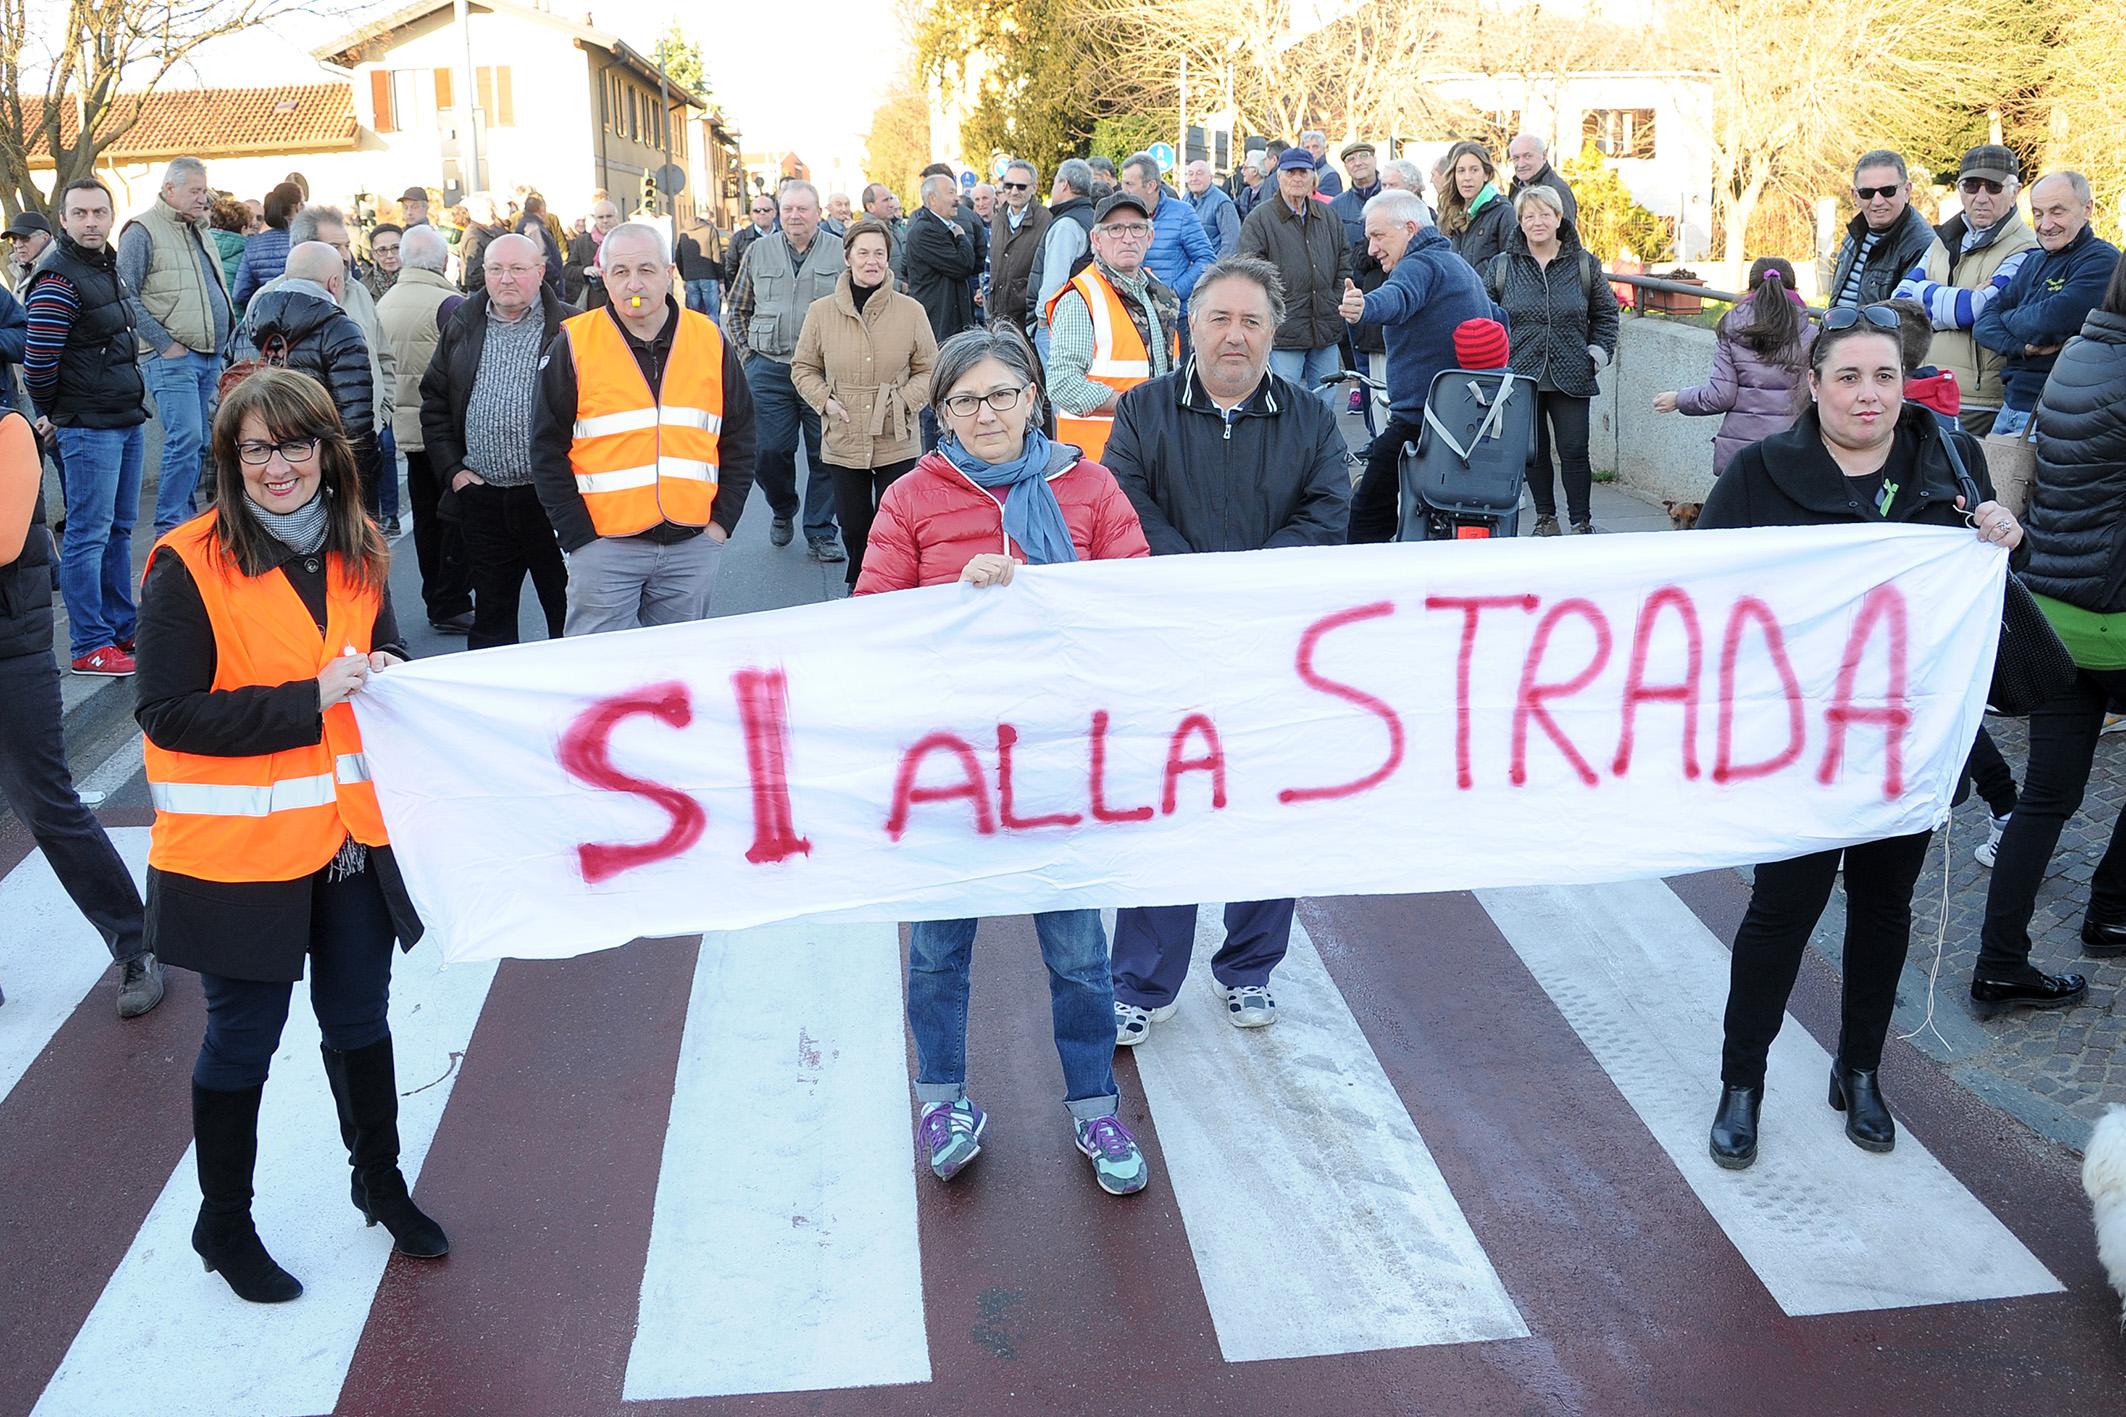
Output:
x=1332 y=721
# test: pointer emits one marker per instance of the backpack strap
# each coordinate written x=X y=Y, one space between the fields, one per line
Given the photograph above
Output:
x=1495 y=275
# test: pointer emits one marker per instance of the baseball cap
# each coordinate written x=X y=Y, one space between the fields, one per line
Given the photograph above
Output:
x=26 y=223
x=1991 y=160
x=414 y=194
x=1360 y=146
x=1120 y=199
x=1295 y=157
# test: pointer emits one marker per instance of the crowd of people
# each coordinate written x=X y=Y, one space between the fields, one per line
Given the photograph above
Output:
x=1127 y=369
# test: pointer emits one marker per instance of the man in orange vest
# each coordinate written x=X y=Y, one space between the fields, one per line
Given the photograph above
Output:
x=642 y=445
x=1111 y=327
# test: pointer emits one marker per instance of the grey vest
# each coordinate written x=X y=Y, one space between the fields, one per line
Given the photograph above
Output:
x=781 y=296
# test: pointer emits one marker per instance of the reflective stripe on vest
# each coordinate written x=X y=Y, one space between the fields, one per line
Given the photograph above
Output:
x=272 y=816
x=1119 y=359
x=641 y=460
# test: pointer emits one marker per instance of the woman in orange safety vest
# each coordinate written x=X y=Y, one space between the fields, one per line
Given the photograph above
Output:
x=259 y=620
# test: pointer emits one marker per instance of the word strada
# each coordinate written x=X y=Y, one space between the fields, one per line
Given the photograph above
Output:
x=1351 y=720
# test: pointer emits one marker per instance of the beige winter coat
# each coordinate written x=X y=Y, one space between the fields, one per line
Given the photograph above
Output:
x=876 y=364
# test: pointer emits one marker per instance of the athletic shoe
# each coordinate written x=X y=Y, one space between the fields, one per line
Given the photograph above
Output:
x=1248 y=1006
x=140 y=986
x=824 y=548
x=1546 y=524
x=779 y=532
x=1118 y=1165
x=2113 y=722
x=950 y=1135
x=1133 y=1023
x=1985 y=851
x=1583 y=528
x=392 y=527
x=110 y=662
x=1358 y=401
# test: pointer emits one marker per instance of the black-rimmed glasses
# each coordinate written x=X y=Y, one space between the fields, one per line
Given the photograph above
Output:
x=292 y=450
x=1001 y=400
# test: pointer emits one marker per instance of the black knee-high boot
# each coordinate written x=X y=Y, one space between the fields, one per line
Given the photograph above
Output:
x=365 y=1086
x=225 y=1143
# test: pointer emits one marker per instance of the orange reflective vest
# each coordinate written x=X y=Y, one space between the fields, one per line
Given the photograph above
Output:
x=1120 y=360
x=272 y=816
x=640 y=459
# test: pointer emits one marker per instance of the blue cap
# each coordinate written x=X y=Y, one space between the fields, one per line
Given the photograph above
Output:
x=1295 y=157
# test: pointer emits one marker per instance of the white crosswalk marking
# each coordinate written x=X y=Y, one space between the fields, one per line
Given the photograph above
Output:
x=783 y=1254
x=49 y=956
x=167 y=1339
x=1319 y=1222
x=1827 y=1227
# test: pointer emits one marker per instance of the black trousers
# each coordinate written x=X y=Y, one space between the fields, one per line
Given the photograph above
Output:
x=507 y=537
x=439 y=546
x=351 y=943
x=1784 y=908
x=1377 y=504
x=1561 y=424
x=38 y=787
x=856 y=496
x=1991 y=775
x=2063 y=739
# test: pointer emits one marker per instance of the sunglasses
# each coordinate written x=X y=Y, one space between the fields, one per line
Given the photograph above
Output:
x=1974 y=184
x=1846 y=316
x=1018 y=186
x=1869 y=194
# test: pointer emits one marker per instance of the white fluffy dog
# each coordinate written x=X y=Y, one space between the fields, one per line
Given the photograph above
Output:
x=2104 y=1178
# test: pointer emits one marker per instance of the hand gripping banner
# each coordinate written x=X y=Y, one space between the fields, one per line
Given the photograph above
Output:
x=1323 y=721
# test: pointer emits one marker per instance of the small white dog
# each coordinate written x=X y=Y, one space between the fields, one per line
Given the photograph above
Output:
x=2104 y=1178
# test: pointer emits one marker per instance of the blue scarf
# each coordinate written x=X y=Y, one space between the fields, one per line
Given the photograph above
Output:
x=1032 y=516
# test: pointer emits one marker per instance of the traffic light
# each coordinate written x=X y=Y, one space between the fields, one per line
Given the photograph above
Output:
x=649 y=191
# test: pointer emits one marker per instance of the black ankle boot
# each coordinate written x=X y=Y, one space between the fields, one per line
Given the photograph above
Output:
x=2103 y=939
x=1855 y=1092
x=365 y=1087
x=1734 y=1139
x=225 y=1145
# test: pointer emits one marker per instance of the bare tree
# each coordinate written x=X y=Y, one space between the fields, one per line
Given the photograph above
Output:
x=62 y=66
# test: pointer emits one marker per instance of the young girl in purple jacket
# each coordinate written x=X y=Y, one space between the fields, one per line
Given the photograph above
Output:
x=1760 y=355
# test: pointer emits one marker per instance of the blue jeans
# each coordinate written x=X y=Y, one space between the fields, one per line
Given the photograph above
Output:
x=779 y=417
x=96 y=564
x=2011 y=422
x=183 y=389
x=705 y=296
x=1081 y=1003
x=387 y=451
x=1306 y=367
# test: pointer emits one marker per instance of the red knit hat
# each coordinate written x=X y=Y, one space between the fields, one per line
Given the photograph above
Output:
x=1481 y=344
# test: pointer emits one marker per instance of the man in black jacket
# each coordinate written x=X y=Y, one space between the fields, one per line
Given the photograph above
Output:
x=1222 y=455
x=477 y=401
x=302 y=316
x=34 y=780
x=938 y=262
x=1885 y=238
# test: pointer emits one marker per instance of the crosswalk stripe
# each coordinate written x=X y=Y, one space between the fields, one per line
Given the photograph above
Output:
x=783 y=1253
x=49 y=956
x=1319 y=1221
x=168 y=1340
x=1827 y=1227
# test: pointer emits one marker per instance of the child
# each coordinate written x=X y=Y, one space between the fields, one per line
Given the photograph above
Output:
x=1925 y=385
x=1760 y=353
x=1481 y=345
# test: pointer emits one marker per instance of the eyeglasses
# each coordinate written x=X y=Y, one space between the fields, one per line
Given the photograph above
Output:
x=391 y=250
x=1846 y=316
x=1001 y=400
x=1869 y=194
x=1975 y=184
x=1018 y=186
x=1134 y=230
x=292 y=450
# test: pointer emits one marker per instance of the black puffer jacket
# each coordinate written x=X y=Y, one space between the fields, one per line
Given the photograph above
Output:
x=1487 y=233
x=1896 y=251
x=325 y=343
x=2077 y=516
x=26 y=586
x=1555 y=312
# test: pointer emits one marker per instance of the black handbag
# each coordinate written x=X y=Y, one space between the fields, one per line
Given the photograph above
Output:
x=2032 y=665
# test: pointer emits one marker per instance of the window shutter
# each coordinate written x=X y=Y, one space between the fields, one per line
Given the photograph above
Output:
x=443 y=93
x=503 y=116
x=380 y=99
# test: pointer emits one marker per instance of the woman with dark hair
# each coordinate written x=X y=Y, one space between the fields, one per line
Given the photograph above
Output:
x=259 y=620
x=1760 y=358
x=863 y=363
x=266 y=254
x=2078 y=574
x=1859 y=453
x=1473 y=214
x=995 y=494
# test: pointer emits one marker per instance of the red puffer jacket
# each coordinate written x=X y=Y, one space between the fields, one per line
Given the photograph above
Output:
x=935 y=520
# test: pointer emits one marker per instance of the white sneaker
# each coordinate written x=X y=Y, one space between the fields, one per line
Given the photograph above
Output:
x=1985 y=851
x=1249 y=1006
x=1133 y=1023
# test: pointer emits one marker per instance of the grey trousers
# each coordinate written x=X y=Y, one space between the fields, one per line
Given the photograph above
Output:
x=620 y=582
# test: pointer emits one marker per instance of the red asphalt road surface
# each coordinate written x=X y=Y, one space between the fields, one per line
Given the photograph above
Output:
x=1042 y=1295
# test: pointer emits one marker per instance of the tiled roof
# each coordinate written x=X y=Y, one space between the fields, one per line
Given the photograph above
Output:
x=210 y=123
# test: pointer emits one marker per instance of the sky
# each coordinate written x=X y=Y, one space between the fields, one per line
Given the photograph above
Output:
x=806 y=85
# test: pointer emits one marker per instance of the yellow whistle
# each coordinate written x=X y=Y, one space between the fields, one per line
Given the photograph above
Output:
x=634 y=302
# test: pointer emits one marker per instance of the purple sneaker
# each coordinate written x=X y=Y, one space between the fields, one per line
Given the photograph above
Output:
x=1118 y=1165
x=950 y=1134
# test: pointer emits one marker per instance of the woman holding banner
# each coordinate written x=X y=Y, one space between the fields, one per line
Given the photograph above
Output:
x=1859 y=454
x=259 y=620
x=996 y=481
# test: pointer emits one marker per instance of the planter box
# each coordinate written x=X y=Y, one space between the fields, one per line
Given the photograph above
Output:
x=1668 y=302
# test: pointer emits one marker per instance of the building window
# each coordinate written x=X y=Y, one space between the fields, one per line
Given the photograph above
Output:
x=446 y=97
x=493 y=96
x=1620 y=132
